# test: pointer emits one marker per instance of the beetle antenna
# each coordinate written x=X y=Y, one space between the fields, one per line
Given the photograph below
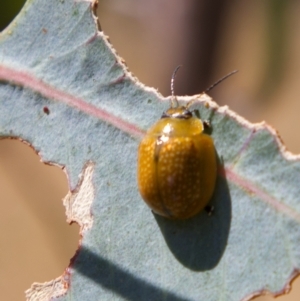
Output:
x=212 y=86
x=173 y=100
x=219 y=81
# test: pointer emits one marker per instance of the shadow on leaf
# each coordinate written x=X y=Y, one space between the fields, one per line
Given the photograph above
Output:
x=198 y=243
x=118 y=280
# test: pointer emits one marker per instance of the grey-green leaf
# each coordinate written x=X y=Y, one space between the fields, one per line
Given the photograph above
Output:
x=64 y=90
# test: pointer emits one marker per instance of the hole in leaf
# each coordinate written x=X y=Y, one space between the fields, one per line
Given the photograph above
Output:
x=36 y=243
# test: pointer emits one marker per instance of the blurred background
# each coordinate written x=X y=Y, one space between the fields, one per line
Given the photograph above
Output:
x=209 y=38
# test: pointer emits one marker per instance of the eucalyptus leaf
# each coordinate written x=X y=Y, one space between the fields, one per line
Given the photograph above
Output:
x=64 y=90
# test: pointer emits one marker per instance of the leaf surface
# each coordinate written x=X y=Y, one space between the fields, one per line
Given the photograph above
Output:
x=64 y=91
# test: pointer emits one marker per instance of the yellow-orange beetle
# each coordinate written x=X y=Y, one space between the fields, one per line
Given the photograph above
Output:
x=177 y=166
